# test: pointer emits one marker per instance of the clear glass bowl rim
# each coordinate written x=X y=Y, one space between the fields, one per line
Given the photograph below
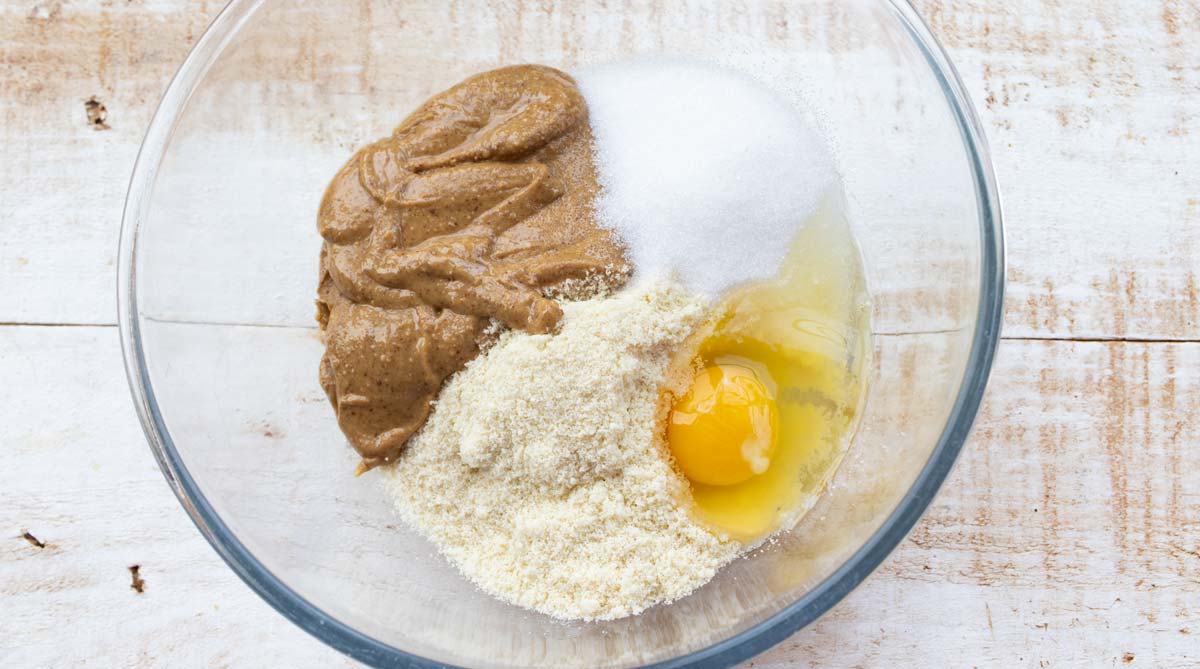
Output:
x=739 y=647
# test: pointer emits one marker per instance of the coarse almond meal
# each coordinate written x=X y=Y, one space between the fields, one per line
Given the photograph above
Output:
x=542 y=474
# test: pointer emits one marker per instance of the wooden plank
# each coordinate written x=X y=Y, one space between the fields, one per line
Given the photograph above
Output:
x=1089 y=107
x=1067 y=533
x=63 y=178
x=76 y=474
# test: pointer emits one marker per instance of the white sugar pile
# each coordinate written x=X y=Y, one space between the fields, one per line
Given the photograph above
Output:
x=705 y=172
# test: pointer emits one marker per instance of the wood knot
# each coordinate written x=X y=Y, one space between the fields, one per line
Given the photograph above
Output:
x=97 y=113
x=137 y=583
x=33 y=540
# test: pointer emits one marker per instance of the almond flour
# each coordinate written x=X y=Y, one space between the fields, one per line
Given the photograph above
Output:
x=542 y=474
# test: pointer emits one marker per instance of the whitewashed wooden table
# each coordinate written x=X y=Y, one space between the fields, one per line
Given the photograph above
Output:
x=1068 y=534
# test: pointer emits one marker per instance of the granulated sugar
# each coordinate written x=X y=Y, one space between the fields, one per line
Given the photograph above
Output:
x=542 y=476
x=704 y=171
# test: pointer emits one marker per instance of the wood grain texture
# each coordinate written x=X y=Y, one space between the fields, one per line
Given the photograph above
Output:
x=1068 y=534
x=64 y=177
x=1093 y=114
x=77 y=475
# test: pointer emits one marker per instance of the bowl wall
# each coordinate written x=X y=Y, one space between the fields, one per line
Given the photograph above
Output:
x=219 y=264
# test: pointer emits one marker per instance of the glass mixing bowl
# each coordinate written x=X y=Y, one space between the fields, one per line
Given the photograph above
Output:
x=218 y=272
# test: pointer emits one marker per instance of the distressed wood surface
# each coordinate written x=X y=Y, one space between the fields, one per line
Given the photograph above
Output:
x=1068 y=534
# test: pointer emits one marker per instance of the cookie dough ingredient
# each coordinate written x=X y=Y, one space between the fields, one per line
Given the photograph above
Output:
x=542 y=474
x=724 y=428
x=704 y=171
x=805 y=337
x=478 y=204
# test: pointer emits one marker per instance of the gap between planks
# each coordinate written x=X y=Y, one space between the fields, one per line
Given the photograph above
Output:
x=31 y=324
x=1106 y=340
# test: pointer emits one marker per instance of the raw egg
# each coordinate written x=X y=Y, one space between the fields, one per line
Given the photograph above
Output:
x=765 y=421
x=724 y=429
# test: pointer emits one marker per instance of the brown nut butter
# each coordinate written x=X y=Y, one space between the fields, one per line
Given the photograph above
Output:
x=475 y=211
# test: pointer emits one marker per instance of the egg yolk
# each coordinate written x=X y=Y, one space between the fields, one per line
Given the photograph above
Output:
x=723 y=430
